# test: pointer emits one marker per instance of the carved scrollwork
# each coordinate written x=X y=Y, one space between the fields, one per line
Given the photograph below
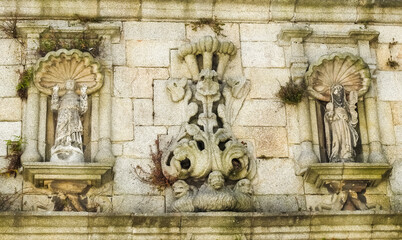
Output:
x=205 y=142
x=205 y=146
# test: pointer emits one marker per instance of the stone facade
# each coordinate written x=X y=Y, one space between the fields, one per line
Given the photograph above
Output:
x=275 y=41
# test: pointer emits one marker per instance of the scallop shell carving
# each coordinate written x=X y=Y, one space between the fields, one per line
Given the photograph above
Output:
x=339 y=68
x=58 y=67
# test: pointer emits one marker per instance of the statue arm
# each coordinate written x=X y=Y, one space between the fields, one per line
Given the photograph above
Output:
x=83 y=100
x=55 y=98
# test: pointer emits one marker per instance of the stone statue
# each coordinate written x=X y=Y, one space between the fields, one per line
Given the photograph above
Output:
x=68 y=137
x=243 y=193
x=340 y=120
x=214 y=195
x=184 y=195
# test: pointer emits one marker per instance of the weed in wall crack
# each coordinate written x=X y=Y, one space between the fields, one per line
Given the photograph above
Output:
x=292 y=93
x=213 y=23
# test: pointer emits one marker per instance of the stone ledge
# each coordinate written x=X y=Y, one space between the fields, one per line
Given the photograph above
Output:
x=95 y=174
x=376 y=11
x=374 y=173
x=219 y=225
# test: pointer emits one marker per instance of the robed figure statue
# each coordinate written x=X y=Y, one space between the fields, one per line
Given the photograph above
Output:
x=340 y=121
x=68 y=137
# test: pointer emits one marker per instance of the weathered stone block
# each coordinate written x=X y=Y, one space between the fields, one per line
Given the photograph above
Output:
x=9 y=184
x=138 y=204
x=7 y=132
x=9 y=79
x=137 y=82
x=143 y=112
x=398 y=134
x=171 y=9
x=11 y=52
x=314 y=51
x=126 y=180
x=122 y=119
x=386 y=53
x=166 y=111
x=117 y=149
x=389 y=86
x=262 y=54
x=277 y=176
x=152 y=53
x=269 y=141
x=396 y=108
x=329 y=11
x=262 y=113
x=113 y=8
x=266 y=82
x=163 y=31
x=260 y=32
x=281 y=203
x=292 y=123
x=119 y=54
x=240 y=11
x=144 y=141
x=10 y=109
x=388 y=33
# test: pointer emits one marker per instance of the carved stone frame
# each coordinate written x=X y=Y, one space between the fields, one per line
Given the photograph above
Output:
x=35 y=116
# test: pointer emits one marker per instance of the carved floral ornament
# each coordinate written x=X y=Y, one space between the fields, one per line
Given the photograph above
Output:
x=58 y=67
x=205 y=144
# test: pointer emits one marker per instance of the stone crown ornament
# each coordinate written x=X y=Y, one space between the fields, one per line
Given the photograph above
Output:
x=337 y=69
x=58 y=67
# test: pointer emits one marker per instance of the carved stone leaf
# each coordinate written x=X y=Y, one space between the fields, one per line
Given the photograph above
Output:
x=176 y=89
x=339 y=68
x=58 y=67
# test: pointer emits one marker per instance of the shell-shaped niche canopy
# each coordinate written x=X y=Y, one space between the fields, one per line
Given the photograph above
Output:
x=58 y=67
x=338 y=69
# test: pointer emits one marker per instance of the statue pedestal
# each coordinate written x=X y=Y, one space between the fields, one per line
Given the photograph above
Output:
x=321 y=173
x=41 y=174
x=347 y=182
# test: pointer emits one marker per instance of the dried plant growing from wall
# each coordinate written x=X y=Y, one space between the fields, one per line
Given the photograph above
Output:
x=292 y=93
x=14 y=152
x=9 y=27
x=7 y=201
x=213 y=23
x=25 y=79
x=155 y=176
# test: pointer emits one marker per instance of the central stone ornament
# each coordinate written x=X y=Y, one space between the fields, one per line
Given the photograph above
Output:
x=205 y=146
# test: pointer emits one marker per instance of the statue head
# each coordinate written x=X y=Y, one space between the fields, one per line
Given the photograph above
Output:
x=216 y=180
x=338 y=95
x=70 y=85
x=244 y=186
x=180 y=188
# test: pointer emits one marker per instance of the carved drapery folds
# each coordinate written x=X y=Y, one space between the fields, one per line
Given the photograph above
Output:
x=205 y=142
